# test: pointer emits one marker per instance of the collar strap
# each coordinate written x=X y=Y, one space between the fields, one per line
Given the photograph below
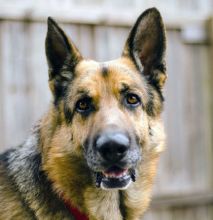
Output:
x=75 y=212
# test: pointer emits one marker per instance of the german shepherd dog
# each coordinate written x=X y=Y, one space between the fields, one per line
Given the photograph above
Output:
x=94 y=154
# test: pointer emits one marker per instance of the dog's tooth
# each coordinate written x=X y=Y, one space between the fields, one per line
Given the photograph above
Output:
x=107 y=175
x=115 y=175
x=123 y=174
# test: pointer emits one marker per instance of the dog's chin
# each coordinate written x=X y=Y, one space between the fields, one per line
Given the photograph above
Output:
x=119 y=179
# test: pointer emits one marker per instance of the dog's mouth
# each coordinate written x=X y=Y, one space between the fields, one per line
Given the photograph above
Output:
x=115 y=178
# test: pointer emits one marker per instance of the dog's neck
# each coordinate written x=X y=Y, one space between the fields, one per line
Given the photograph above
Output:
x=75 y=212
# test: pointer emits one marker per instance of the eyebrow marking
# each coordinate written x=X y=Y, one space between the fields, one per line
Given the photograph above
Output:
x=105 y=71
x=124 y=88
x=82 y=92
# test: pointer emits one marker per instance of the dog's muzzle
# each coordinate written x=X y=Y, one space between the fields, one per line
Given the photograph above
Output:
x=113 y=148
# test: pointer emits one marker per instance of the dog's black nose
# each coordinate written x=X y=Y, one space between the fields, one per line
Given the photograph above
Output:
x=113 y=146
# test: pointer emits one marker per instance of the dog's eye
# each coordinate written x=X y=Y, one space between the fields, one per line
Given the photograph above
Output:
x=84 y=105
x=132 y=100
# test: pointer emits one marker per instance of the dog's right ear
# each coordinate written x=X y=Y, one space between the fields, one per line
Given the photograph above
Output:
x=62 y=57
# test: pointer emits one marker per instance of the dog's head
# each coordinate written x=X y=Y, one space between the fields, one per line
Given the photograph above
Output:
x=106 y=114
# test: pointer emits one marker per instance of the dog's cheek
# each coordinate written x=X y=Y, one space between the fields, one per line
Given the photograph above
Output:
x=63 y=141
x=80 y=131
x=157 y=136
x=139 y=120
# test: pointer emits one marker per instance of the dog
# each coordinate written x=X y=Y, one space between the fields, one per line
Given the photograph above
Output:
x=94 y=154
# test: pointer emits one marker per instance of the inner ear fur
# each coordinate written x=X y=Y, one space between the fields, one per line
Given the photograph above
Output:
x=146 y=46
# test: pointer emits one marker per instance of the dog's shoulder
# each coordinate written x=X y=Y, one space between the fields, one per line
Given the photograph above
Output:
x=11 y=203
x=25 y=191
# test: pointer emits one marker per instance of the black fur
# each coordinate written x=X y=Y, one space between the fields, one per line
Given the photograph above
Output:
x=68 y=114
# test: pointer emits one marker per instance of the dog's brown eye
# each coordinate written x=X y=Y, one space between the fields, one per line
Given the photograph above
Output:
x=83 y=105
x=132 y=100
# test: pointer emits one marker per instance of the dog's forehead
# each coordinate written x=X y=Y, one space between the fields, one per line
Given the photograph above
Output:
x=113 y=72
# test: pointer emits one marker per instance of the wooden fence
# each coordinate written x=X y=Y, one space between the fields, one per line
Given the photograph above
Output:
x=184 y=185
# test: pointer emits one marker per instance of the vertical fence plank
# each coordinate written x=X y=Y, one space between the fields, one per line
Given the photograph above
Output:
x=15 y=79
x=101 y=42
x=2 y=133
x=39 y=94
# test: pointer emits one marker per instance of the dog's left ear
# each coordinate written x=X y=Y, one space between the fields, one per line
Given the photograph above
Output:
x=146 y=46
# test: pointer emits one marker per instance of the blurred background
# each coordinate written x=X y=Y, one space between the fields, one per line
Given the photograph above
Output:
x=184 y=185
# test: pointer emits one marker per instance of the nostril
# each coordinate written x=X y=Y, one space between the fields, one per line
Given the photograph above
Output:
x=121 y=149
x=106 y=151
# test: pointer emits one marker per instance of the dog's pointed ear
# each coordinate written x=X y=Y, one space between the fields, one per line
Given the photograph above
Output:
x=62 y=57
x=59 y=49
x=146 y=46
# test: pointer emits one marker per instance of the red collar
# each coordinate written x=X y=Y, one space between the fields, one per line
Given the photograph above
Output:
x=75 y=212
